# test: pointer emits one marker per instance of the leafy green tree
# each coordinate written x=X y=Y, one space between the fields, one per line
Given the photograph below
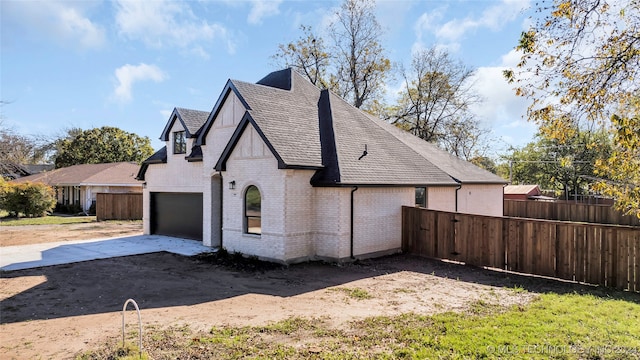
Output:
x=622 y=168
x=580 y=62
x=485 y=162
x=568 y=167
x=29 y=199
x=102 y=145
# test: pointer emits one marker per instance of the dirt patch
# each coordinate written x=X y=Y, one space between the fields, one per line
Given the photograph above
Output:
x=57 y=311
x=36 y=234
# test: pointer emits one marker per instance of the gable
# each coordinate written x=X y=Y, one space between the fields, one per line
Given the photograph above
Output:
x=191 y=121
x=229 y=88
x=254 y=147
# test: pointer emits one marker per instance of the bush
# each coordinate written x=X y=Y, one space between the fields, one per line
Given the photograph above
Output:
x=92 y=208
x=29 y=199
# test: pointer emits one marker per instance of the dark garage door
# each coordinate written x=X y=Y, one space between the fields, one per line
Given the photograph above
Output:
x=176 y=214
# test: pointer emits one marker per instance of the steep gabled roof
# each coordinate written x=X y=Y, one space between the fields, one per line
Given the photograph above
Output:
x=191 y=120
x=307 y=127
x=109 y=174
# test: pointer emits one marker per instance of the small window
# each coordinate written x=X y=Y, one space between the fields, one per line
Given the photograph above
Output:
x=421 y=197
x=179 y=143
x=252 y=211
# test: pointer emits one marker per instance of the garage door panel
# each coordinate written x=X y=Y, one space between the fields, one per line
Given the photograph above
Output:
x=177 y=214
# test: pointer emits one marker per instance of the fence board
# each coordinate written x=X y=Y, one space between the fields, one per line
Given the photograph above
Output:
x=114 y=206
x=600 y=214
x=598 y=254
x=565 y=250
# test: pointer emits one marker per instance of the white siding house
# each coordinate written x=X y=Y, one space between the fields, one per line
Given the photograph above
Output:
x=287 y=172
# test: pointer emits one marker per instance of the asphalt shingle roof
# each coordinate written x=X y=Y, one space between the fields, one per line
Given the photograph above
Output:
x=292 y=113
x=121 y=173
x=193 y=119
x=289 y=120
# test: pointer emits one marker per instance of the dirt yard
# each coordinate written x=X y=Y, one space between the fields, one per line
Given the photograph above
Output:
x=37 y=234
x=56 y=312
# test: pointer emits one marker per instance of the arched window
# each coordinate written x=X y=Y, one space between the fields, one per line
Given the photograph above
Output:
x=252 y=211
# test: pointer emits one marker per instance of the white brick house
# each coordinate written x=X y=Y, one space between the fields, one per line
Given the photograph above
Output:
x=287 y=172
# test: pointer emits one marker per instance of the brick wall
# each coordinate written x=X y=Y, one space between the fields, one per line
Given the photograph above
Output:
x=481 y=199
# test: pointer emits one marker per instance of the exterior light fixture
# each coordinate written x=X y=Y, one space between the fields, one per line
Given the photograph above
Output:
x=232 y=185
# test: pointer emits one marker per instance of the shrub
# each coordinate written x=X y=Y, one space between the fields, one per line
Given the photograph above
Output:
x=92 y=208
x=30 y=199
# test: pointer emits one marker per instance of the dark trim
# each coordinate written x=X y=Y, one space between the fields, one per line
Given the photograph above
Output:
x=353 y=189
x=280 y=79
x=142 y=171
x=175 y=115
x=330 y=173
x=221 y=165
x=164 y=136
x=302 y=167
x=195 y=155
x=216 y=109
x=159 y=157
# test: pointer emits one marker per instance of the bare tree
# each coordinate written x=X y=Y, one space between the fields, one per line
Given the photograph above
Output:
x=435 y=103
x=352 y=64
x=361 y=65
x=308 y=56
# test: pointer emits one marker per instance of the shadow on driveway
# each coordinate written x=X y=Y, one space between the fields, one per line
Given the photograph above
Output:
x=164 y=280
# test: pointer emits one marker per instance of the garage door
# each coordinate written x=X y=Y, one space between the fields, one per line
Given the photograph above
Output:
x=176 y=214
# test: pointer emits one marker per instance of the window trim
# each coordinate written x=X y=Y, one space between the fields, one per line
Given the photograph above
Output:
x=246 y=216
x=179 y=148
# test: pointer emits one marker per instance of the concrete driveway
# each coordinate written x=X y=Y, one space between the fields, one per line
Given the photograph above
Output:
x=65 y=252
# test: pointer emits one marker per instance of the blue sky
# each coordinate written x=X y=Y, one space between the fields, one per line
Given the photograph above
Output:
x=129 y=63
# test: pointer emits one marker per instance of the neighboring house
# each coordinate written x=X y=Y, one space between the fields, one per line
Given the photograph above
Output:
x=79 y=184
x=525 y=192
x=33 y=169
x=12 y=171
x=285 y=171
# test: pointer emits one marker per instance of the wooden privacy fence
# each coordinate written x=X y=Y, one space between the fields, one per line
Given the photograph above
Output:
x=113 y=206
x=548 y=210
x=595 y=254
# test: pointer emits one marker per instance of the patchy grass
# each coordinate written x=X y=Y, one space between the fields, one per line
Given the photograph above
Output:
x=353 y=293
x=47 y=220
x=567 y=326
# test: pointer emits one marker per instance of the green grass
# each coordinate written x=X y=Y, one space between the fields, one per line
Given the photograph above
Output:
x=47 y=220
x=567 y=326
x=353 y=293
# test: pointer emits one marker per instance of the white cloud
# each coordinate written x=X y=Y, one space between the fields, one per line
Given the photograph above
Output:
x=166 y=23
x=166 y=113
x=493 y=18
x=501 y=109
x=65 y=22
x=450 y=33
x=128 y=74
x=261 y=9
